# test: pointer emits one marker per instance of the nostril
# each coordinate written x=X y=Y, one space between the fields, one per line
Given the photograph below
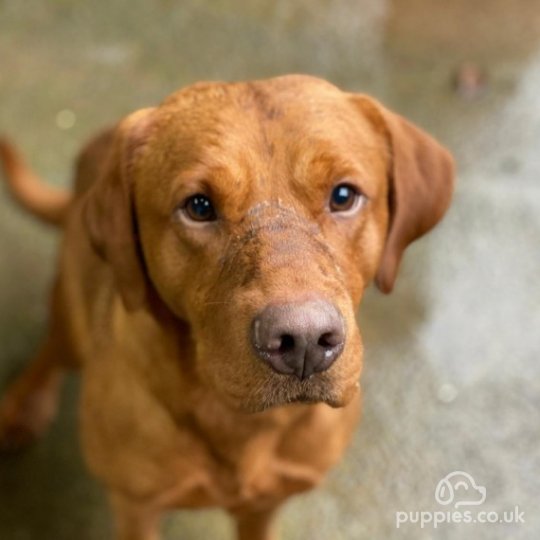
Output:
x=281 y=344
x=287 y=343
x=299 y=338
x=329 y=340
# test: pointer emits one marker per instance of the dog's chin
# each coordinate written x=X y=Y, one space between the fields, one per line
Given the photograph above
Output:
x=281 y=390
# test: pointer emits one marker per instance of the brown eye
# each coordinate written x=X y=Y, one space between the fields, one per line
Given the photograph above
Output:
x=344 y=198
x=199 y=208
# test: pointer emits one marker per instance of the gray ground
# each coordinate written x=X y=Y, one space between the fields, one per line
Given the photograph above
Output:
x=452 y=370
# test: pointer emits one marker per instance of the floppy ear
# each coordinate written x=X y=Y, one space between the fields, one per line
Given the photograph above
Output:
x=109 y=212
x=421 y=181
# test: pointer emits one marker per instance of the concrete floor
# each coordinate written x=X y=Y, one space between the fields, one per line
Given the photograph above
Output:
x=452 y=375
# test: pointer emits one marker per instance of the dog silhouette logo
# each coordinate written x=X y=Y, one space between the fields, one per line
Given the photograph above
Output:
x=459 y=488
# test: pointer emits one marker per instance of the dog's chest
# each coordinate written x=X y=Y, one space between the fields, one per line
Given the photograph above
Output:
x=242 y=466
x=268 y=479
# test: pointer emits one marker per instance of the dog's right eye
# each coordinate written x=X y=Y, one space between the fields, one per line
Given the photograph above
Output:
x=199 y=208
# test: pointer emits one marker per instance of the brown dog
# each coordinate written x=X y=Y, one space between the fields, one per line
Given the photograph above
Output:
x=215 y=250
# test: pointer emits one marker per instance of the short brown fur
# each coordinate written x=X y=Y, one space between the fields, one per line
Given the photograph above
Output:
x=176 y=409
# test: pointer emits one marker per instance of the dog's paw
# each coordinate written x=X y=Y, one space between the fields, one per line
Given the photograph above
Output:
x=15 y=437
x=23 y=419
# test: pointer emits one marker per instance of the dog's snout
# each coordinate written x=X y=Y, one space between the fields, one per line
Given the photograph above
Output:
x=299 y=338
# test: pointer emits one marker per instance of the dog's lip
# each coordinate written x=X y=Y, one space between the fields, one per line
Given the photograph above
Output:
x=305 y=398
x=314 y=397
x=309 y=391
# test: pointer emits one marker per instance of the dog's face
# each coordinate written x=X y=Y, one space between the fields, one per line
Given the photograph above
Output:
x=258 y=213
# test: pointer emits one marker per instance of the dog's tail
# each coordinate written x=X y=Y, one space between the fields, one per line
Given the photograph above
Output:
x=47 y=203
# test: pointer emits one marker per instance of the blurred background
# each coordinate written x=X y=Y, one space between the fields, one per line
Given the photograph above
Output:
x=452 y=370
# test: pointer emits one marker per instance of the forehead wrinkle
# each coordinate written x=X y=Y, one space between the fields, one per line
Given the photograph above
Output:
x=230 y=166
x=303 y=159
x=325 y=163
x=264 y=102
x=248 y=149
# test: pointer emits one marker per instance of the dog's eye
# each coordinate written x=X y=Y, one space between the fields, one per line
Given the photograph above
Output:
x=344 y=198
x=199 y=208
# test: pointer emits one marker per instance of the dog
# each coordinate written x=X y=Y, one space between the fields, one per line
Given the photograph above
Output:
x=215 y=250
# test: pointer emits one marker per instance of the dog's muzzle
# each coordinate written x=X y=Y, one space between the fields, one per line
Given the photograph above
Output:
x=299 y=338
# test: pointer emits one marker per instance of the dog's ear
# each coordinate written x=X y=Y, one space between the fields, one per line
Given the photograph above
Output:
x=108 y=211
x=421 y=181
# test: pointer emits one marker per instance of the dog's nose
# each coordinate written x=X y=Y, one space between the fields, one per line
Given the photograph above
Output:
x=299 y=338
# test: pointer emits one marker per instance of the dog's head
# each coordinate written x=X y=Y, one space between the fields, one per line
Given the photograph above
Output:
x=258 y=213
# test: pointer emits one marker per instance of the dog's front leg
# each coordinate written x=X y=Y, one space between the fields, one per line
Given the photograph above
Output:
x=134 y=519
x=30 y=403
x=256 y=524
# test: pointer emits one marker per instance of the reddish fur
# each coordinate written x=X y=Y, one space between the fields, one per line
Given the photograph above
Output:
x=177 y=411
x=45 y=202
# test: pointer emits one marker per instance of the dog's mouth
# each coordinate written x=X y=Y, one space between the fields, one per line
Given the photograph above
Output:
x=279 y=390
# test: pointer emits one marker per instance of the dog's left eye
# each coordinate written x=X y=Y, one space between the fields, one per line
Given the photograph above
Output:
x=199 y=208
x=344 y=198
